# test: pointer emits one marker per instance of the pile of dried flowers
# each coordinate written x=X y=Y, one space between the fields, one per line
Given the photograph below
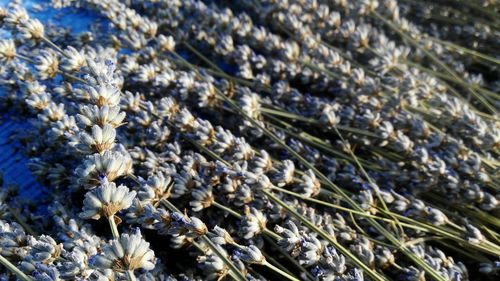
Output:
x=255 y=140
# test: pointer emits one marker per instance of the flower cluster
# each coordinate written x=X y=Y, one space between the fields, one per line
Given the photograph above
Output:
x=253 y=140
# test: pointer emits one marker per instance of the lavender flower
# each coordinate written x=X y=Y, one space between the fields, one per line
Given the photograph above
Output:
x=106 y=200
x=127 y=253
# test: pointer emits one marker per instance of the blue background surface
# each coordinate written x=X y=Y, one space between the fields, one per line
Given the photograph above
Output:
x=13 y=164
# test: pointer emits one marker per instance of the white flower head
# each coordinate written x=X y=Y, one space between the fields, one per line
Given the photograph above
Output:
x=147 y=73
x=11 y=239
x=310 y=185
x=44 y=249
x=165 y=43
x=149 y=28
x=105 y=115
x=109 y=165
x=201 y=198
x=212 y=266
x=156 y=188
x=328 y=116
x=47 y=64
x=100 y=139
x=7 y=50
x=250 y=104
x=251 y=255
x=106 y=200
x=253 y=223
x=104 y=95
x=73 y=60
x=31 y=30
x=102 y=71
x=220 y=236
x=127 y=253
x=15 y=16
x=285 y=175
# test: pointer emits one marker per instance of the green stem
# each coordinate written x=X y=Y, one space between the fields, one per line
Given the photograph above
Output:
x=434 y=58
x=466 y=50
x=449 y=78
x=25 y=58
x=405 y=222
x=281 y=272
x=373 y=274
x=58 y=71
x=490 y=249
x=297 y=117
x=202 y=57
x=227 y=209
x=473 y=256
x=217 y=157
x=381 y=229
x=12 y=268
x=488 y=12
x=266 y=231
x=72 y=76
x=234 y=272
x=351 y=211
x=114 y=228
x=290 y=259
x=372 y=182
x=228 y=262
x=442 y=6
x=53 y=45
x=317 y=143
x=277 y=263
x=237 y=215
x=130 y=275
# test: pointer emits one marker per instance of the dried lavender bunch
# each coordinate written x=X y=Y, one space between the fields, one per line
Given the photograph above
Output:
x=185 y=119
